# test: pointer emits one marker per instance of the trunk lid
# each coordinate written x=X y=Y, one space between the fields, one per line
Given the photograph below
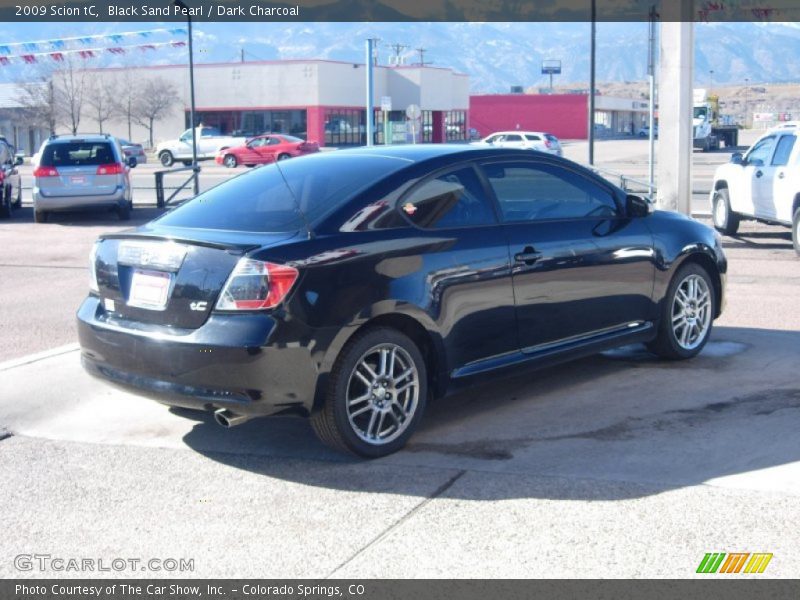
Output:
x=162 y=276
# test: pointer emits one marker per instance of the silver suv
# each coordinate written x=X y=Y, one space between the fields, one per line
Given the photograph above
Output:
x=82 y=171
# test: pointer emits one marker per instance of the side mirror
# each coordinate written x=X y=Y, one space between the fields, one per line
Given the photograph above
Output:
x=756 y=162
x=737 y=158
x=636 y=206
x=132 y=162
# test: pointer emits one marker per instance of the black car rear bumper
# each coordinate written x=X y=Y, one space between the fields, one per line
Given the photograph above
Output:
x=236 y=362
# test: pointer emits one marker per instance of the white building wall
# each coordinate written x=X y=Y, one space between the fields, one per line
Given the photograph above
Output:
x=285 y=84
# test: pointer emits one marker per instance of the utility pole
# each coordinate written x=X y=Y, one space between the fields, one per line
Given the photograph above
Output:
x=242 y=59
x=397 y=49
x=422 y=52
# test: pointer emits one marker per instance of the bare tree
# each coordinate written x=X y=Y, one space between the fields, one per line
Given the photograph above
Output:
x=54 y=95
x=69 y=86
x=100 y=100
x=155 y=100
x=38 y=100
x=124 y=99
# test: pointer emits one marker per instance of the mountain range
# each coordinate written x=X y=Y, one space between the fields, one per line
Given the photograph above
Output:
x=496 y=56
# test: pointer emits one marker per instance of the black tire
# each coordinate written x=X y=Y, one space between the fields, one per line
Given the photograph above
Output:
x=18 y=201
x=331 y=422
x=725 y=220
x=249 y=166
x=39 y=216
x=284 y=156
x=166 y=159
x=124 y=211
x=667 y=345
x=796 y=231
x=230 y=161
x=5 y=203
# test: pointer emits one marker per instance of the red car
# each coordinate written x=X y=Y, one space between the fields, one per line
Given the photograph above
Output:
x=265 y=149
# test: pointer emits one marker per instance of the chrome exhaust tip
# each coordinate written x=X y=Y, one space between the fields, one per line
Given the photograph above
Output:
x=228 y=419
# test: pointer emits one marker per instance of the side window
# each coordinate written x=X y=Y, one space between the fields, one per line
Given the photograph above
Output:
x=273 y=141
x=783 y=151
x=513 y=138
x=257 y=143
x=532 y=192
x=533 y=138
x=760 y=153
x=454 y=199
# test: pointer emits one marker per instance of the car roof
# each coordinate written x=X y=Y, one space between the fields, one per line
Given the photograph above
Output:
x=519 y=132
x=89 y=137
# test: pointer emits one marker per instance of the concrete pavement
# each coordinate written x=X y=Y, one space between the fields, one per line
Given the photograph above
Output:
x=614 y=466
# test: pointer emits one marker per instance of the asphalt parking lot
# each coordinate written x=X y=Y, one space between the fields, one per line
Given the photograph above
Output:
x=613 y=466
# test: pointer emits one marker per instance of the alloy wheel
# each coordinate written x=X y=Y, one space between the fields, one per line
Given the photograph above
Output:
x=691 y=312
x=382 y=394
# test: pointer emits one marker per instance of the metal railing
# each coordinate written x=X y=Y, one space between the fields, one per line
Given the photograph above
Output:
x=627 y=183
x=161 y=202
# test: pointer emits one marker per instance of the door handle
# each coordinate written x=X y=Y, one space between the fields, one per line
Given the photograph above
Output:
x=759 y=173
x=527 y=256
x=781 y=175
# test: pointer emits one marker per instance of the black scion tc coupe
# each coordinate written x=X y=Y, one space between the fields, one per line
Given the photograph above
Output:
x=353 y=286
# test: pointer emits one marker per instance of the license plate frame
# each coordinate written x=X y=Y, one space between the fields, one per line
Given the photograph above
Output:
x=77 y=179
x=150 y=289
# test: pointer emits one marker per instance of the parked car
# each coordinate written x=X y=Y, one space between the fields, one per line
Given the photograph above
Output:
x=526 y=140
x=77 y=172
x=136 y=150
x=763 y=185
x=10 y=180
x=265 y=149
x=644 y=131
x=210 y=141
x=353 y=286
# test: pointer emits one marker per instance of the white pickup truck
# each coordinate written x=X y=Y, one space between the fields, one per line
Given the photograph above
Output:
x=209 y=142
x=763 y=185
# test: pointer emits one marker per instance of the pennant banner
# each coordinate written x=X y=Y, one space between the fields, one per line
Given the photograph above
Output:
x=85 y=54
x=85 y=40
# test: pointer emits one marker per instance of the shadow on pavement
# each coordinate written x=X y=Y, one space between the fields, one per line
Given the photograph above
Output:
x=88 y=218
x=623 y=416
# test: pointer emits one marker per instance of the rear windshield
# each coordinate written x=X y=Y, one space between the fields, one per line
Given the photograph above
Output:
x=260 y=200
x=291 y=138
x=551 y=137
x=77 y=154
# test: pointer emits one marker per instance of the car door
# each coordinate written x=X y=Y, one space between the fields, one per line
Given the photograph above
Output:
x=744 y=196
x=512 y=140
x=580 y=267
x=784 y=181
x=467 y=288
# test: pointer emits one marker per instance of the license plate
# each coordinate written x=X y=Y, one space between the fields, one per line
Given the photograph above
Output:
x=149 y=289
x=77 y=180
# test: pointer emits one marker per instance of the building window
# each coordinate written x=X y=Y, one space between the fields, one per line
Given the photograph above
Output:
x=249 y=123
x=456 y=125
x=345 y=127
x=427 y=126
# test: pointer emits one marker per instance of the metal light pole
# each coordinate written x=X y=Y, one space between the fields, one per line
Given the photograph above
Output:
x=196 y=180
x=651 y=75
x=592 y=83
x=746 y=99
x=370 y=95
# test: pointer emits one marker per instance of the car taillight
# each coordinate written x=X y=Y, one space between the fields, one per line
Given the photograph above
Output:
x=92 y=268
x=547 y=144
x=45 y=172
x=110 y=169
x=256 y=285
